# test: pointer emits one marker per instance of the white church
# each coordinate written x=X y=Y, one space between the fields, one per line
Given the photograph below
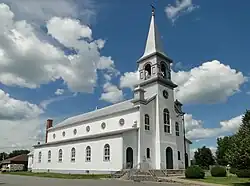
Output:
x=147 y=130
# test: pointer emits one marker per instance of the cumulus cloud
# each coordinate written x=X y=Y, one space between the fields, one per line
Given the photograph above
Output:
x=59 y=91
x=21 y=48
x=211 y=82
x=14 y=109
x=111 y=93
x=196 y=131
x=180 y=7
x=129 y=79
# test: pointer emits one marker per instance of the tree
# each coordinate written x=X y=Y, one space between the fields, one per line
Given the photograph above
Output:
x=204 y=157
x=223 y=144
x=18 y=152
x=238 y=154
x=3 y=156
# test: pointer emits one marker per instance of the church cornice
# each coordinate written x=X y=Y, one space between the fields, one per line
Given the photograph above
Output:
x=164 y=56
x=159 y=80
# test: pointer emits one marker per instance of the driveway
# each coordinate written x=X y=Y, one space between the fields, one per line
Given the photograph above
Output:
x=14 y=180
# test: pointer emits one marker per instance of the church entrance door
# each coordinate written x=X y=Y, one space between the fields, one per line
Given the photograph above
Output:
x=186 y=160
x=129 y=158
x=169 y=158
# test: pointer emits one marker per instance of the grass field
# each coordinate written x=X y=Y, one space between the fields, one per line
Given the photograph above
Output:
x=230 y=180
x=58 y=175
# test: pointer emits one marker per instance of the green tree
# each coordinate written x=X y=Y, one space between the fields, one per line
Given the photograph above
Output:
x=3 y=156
x=223 y=144
x=238 y=154
x=204 y=157
x=18 y=152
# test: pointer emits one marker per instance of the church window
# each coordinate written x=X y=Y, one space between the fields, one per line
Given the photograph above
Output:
x=103 y=125
x=75 y=131
x=60 y=154
x=177 y=129
x=106 y=152
x=121 y=121
x=63 y=133
x=147 y=124
x=179 y=155
x=54 y=136
x=49 y=156
x=147 y=71
x=88 y=128
x=163 y=70
x=73 y=154
x=88 y=153
x=148 y=153
x=166 y=119
x=39 y=157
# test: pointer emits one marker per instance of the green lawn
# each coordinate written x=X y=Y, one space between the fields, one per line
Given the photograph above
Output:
x=230 y=180
x=57 y=175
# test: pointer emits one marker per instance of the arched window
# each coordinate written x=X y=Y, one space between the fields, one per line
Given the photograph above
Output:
x=147 y=71
x=177 y=129
x=179 y=155
x=49 y=156
x=148 y=153
x=88 y=153
x=163 y=70
x=106 y=152
x=166 y=119
x=147 y=123
x=39 y=157
x=73 y=154
x=60 y=155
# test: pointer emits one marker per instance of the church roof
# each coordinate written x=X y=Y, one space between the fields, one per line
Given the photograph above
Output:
x=153 y=43
x=112 y=109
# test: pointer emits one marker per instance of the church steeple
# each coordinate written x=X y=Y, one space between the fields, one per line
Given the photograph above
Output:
x=153 y=43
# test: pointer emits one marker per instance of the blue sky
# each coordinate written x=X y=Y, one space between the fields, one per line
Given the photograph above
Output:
x=193 y=33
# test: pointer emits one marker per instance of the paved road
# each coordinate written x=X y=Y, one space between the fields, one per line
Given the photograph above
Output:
x=14 y=180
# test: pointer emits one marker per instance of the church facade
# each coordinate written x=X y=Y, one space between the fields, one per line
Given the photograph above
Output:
x=146 y=131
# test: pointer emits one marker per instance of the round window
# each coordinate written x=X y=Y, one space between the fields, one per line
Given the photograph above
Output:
x=63 y=133
x=121 y=121
x=54 y=136
x=75 y=131
x=88 y=128
x=103 y=125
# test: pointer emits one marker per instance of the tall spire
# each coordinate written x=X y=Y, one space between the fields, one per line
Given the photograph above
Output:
x=153 y=44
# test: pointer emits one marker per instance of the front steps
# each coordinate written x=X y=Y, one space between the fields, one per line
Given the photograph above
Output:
x=147 y=175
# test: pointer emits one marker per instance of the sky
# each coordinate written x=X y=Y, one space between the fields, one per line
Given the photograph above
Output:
x=60 y=58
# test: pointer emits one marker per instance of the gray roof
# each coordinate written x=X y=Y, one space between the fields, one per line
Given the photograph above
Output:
x=112 y=109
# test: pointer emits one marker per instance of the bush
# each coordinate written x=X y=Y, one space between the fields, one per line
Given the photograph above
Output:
x=195 y=172
x=232 y=170
x=218 y=171
x=243 y=173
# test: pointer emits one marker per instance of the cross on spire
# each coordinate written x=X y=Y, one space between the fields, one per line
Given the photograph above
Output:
x=153 y=9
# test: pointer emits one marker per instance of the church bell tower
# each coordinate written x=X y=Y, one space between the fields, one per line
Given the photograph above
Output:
x=154 y=65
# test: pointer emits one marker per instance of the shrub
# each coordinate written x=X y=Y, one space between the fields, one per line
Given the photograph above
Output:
x=243 y=173
x=195 y=172
x=218 y=171
x=232 y=170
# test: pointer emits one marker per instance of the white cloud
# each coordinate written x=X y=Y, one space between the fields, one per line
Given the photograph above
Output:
x=13 y=109
x=21 y=48
x=59 y=91
x=248 y=93
x=182 y=6
x=196 y=131
x=129 y=80
x=211 y=82
x=111 y=93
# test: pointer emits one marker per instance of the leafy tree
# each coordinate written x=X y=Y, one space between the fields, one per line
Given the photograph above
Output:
x=204 y=157
x=238 y=154
x=3 y=156
x=223 y=144
x=18 y=152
